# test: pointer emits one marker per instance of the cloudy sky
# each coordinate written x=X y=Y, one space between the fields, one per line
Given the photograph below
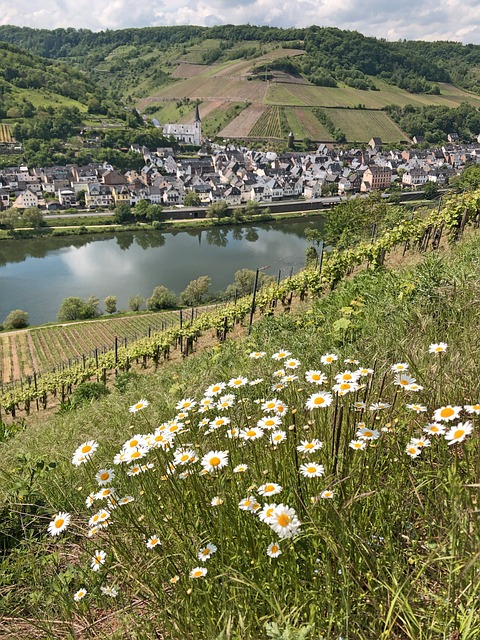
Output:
x=411 y=19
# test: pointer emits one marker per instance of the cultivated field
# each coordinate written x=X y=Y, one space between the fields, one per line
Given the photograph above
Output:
x=39 y=349
x=241 y=126
x=360 y=126
x=304 y=124
x=6 y=133
x=309 y=95
x=189 y=70
x=269 y=125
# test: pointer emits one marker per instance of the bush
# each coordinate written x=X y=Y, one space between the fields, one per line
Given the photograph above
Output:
x=135 y=302
x=77 y=309
x=162 y=298
x=110 y=304
x=16 y=319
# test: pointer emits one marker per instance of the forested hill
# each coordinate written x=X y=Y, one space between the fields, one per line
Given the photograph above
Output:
x=23 y=75
x=331 y=55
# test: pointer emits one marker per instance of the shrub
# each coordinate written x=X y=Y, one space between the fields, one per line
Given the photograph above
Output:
x=16 y=319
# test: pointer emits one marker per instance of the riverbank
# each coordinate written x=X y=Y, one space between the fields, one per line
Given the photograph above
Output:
x=76 y=226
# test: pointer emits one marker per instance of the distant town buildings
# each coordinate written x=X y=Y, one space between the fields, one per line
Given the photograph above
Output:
x=235 y=175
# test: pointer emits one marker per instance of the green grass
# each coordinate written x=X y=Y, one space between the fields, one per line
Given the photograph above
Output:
x=361 y=126
x=392 y=555
x=41 y=98
x=309 y=95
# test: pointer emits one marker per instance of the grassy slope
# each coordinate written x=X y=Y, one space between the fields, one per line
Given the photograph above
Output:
x=398 y=532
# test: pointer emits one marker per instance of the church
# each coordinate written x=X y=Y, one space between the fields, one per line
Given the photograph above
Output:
x=186 y=133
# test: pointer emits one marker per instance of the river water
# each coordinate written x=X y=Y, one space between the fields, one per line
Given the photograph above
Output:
x=37 y=274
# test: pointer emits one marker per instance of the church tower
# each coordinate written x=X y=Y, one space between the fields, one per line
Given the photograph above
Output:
x=197 y=128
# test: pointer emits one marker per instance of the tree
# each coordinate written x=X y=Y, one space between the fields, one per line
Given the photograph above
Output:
x=8 y=218
x=123 y=214
x=217 y=210
x=135 y=302
x=110 y=304
x=430 y=190
x=33 y=217
x=244 y=281
x=162 y=298
x=16 y=319
x=252 y=208
x=74 y=308
x=195 y=290
x=192 y=199
x=315 y=236
x=140 y=211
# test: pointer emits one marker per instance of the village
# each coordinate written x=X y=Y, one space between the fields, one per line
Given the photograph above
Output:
x=234 y=175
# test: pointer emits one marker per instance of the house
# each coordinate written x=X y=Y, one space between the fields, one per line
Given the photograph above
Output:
x=4 y=198
x=121 y=194
x=453 y=137
x=375 y=143
x=414 y=178
x=25 y=200
x=67 y=198
x=376 y=177
x=98 y=195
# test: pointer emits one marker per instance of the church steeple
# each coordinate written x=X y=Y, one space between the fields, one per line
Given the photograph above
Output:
x=197 y=114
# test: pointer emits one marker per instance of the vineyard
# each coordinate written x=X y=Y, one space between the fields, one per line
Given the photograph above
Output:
x=6 y=133
x=25 y=352
x=269 y=125
x=418 y=233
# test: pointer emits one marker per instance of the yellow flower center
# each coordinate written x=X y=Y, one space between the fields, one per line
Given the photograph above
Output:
x=184 y=457
x=329 y=359
x=197 y=574
x=279 y=437
x=344 y=385
x=270 y=512
x=346 y=376
x=269 y=423
x=283 y=520
x=315 y=376
x=104 y=476
x=206 y=552
x=311 y=469
x=319 y=400
x=86 y=448
x=139 y=405
x=251 y=432
x=274 y=548
x=215 y=461
x=310 y=445
x=368 y=434
x=136 y=454
x=59 y=523
x=458 y=434
x=269 y=488
x=447 y=412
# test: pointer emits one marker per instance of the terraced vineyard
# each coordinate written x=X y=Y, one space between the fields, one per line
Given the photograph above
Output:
x=40 y=349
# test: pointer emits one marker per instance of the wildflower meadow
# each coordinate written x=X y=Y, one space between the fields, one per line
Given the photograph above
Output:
x=317 y=479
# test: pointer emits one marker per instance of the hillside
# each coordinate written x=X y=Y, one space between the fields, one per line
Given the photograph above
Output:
x=255 y=510
x=159 y=69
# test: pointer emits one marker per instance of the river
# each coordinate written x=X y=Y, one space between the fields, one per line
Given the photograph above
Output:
x=37 y=274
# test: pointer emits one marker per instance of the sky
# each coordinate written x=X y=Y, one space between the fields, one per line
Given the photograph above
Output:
x=409 y=19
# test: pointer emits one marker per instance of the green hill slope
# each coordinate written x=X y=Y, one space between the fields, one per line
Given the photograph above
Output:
x=253 y=491
x=151 y=67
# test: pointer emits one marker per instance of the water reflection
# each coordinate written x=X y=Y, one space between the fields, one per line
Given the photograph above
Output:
x=37 y=274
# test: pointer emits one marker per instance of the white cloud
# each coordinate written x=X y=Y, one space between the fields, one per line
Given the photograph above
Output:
x=428 y=20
